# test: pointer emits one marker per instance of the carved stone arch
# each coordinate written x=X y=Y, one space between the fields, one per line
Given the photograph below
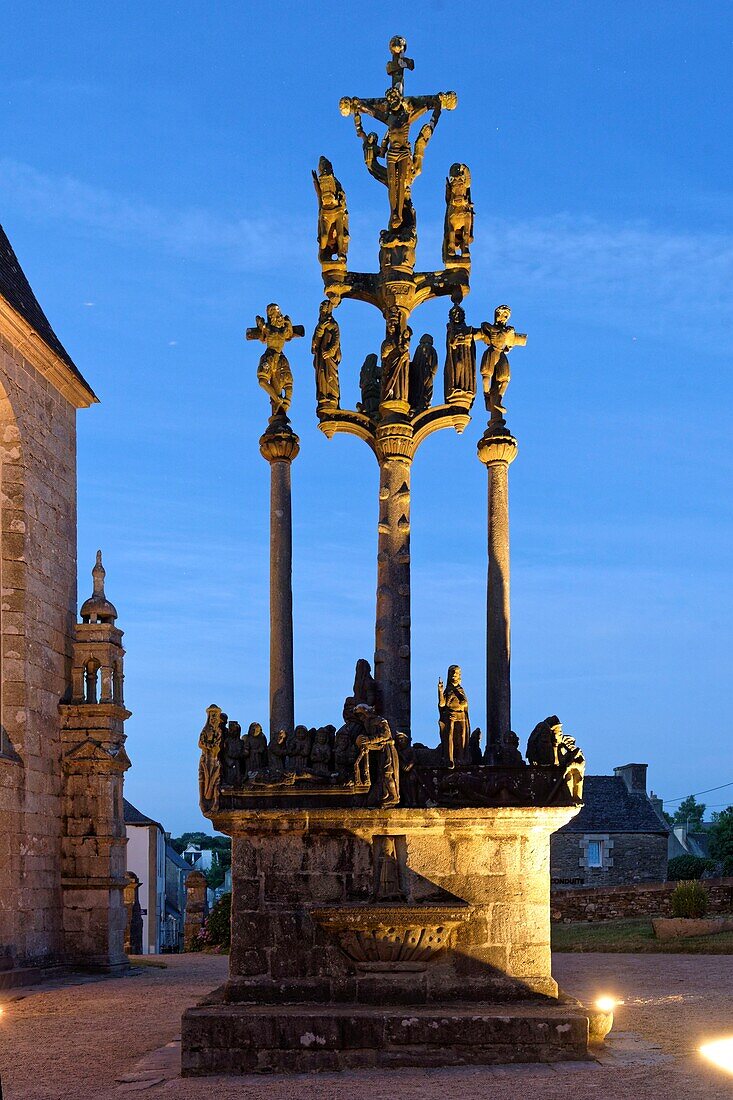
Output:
x=13 y=586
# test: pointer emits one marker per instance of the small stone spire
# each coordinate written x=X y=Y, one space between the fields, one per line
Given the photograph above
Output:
x=98 y=609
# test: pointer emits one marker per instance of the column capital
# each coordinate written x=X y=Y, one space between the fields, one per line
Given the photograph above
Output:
x=395 y=441
x=497 y=444
x=279 y=443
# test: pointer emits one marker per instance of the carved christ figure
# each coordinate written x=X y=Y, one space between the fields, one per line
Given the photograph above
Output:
x=273 y=371
x=326 y=350
x=495 y=372
x=398 y=112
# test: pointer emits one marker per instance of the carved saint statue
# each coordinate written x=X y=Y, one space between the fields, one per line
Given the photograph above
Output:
x=345 y=750
x=422 y=374
x=274 y=373
x=398 y=112
x=460 y=360
x=322 y=752
x=277 y=751
x=495 y=372
x=409 y=782
x=455 y=727
x=377 y=737
x=210 y=743
x=458 y=230
x=299 y=748
x=365 y=690
x=255 y=748
x=370 y=384
x=333 y=217
x=549 y=746
x=326 y=350
x=387 y=885
x=232 y=755
x=396 y=358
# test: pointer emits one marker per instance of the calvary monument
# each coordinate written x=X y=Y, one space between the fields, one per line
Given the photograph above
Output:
x=390 y=900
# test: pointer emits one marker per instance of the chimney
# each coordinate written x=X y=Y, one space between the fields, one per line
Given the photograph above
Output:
x=658 y=806
x=634 y=776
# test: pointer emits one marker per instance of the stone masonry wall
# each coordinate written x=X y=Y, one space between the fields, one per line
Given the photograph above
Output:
x=642 y=900
x=630 y=857
x=38 y=579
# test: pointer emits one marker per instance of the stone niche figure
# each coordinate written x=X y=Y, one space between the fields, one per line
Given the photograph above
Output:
x=322 y=752
x=495 y=372
x=277 y=751
x=273 y=372
x=377 y=738
x=396 y=360
x=333 y=217
x=232 y=755
x=460 y=360
x=210 y=743
x=455 y=726
x=299 y=749
x=423 y=369
x=326 y=351
x=370 y=384
x=255 y=749
x=387 y=886
x=458 y=228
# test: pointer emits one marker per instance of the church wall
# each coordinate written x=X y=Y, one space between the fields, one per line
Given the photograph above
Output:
x=38 y=577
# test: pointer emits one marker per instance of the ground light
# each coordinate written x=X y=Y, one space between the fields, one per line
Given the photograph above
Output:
x=720 y=1053
x=600 y=1021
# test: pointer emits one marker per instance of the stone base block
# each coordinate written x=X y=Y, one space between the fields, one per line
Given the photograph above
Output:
x=301 y=1038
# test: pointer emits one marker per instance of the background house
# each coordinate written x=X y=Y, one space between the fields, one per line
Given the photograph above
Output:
x=146 y=846
x=617 y=838
x=177 y=871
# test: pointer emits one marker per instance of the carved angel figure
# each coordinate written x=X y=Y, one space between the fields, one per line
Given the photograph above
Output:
x=333 y=217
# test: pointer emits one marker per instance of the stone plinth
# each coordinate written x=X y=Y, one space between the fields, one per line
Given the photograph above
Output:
x=196 y=910
x=457 y=916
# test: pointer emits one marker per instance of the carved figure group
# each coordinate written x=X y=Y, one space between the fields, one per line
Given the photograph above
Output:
x=458 y=229
x=550 y=746
x=377 y=738
x=326 y=351
x=455 y=726
x=423 y=369
x=273 y=372
x=495 y=372
x=333 y=217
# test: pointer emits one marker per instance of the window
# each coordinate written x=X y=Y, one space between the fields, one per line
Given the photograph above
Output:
x=595 y=853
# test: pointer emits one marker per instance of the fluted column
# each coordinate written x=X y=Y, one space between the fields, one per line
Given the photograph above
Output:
x=496 y=449
x=392 y=635
x=279 y=446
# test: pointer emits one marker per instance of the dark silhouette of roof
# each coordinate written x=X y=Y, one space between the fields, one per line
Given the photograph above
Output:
x=134 y=817
x=609 y=807
x=17 y=292
x=176 y=858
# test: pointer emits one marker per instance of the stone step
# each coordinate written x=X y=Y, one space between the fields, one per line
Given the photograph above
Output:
x=301 y=1037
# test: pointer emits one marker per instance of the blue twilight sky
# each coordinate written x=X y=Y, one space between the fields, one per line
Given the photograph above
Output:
x=155 y=182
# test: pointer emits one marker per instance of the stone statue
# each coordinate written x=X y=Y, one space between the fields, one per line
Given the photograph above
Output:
x=474 y=747
x=365 y=690
x=549 y=746
x=387 y=870
x=274 y=373
x=460 y=360
x=409 y=781
x=510 y=756
x=370 y=384
x=322 y=752
x=495 y=372
x=333 y=217
x=254 y=749
x=396 y=359
x=377 y=737
x=458 y=230
x=232 y=755
x=210 y=743
x=299 y=748
x=542 y=744
x=455 y=726
x=326 y=351
x=423 y=368
x=398 y=112
x=277 y=751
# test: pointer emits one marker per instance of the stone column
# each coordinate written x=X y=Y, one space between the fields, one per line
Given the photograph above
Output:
x=196 y=911
x=392 y=636
x=497 y=448
x=279 y=446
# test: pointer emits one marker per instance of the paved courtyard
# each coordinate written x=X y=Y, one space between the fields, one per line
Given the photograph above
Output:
x=107 y=1039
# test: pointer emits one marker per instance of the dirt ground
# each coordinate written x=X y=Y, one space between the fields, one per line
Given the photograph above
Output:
x=106 y=1039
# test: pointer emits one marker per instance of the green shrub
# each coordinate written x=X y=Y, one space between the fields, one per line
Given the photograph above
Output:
x=218 y=924
x=689 y=899
x=685 y=868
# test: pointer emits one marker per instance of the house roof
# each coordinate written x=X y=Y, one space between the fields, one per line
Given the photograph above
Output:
x=133 y=816
x=609 y=807
x=17 y=292
x=174 y=857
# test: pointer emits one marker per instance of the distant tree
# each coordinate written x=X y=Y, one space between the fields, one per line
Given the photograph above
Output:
x=686 y=867
x=220 y=845
x=689 y=812
x=721 y=839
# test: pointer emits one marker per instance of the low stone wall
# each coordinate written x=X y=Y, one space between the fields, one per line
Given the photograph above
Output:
x=648 y=899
